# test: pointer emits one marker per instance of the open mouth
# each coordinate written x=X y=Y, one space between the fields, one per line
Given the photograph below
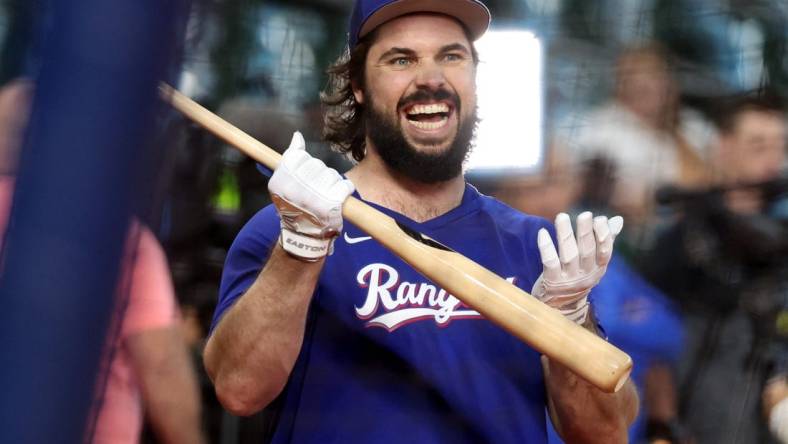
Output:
x=428 y=116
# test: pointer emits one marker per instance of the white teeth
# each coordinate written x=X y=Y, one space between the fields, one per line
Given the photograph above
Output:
x=429 y=109
x=429 y=125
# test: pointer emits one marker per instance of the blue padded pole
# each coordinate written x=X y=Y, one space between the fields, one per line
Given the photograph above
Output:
x=92 y=115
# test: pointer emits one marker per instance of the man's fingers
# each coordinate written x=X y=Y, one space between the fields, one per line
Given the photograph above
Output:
x=616 y=224
x=571 y=272
x=604 y=240
x=295 y=155
x=567 y=245
x=586 y=243
x=550 y=262
x=297 y=142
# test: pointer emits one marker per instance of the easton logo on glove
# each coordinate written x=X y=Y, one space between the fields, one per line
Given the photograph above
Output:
x=308 y=196
x=303 y=246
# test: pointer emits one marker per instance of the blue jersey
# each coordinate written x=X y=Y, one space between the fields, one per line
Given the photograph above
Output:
x=388 y=356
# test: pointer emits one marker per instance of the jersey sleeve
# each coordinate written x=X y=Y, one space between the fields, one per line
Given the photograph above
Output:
x=246 y=258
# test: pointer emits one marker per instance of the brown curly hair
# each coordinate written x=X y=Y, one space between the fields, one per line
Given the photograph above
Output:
x=343 y=119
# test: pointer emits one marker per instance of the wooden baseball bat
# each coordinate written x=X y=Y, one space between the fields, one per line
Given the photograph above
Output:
x=516 y=311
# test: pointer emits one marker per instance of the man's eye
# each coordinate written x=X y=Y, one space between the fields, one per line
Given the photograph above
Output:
x=453 y=57
x=401 y=61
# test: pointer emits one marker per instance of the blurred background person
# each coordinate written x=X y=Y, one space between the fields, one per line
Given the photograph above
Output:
x=149 y=373
x=645 y=134
x=146 y=367
x=15 y=99
x=751 y=151
x=725 y=262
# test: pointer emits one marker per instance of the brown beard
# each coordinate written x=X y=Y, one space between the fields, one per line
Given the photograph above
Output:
x=403 y=158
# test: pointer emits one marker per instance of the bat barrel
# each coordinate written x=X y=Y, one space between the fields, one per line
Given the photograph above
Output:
x=519 y=313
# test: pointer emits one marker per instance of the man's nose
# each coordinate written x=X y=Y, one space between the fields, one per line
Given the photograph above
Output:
x=430 y=75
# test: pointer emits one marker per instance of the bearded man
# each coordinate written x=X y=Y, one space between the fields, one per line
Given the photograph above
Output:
x=342 y=340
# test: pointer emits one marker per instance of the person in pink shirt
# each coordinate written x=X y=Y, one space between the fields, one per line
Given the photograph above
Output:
x=146 y=369
x=149 y=366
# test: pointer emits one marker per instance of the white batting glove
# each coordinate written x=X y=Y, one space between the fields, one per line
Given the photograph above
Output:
x=569 y=275
x=308 y=196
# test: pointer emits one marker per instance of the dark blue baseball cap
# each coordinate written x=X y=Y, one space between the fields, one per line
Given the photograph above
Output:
x=369 y=14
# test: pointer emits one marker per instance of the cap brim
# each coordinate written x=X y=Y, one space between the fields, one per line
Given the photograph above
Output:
x=474 y=15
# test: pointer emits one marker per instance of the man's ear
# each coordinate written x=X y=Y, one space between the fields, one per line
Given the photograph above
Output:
x=358 y=93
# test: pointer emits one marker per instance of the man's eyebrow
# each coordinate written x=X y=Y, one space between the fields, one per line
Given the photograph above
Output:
x=396 y=50
x=412 y=53
x=455 y=47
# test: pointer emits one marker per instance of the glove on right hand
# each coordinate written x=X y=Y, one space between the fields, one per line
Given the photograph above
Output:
x=579 y=264
x=308 y=196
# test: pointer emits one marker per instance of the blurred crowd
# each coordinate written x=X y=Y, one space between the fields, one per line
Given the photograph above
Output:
x=697 y=293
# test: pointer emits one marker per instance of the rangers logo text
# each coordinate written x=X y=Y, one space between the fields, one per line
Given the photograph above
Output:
x=391 y=304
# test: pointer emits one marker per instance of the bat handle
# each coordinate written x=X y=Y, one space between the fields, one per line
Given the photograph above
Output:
x=220 y=127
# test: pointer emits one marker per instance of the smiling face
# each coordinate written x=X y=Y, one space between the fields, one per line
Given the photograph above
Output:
x=419 y=96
